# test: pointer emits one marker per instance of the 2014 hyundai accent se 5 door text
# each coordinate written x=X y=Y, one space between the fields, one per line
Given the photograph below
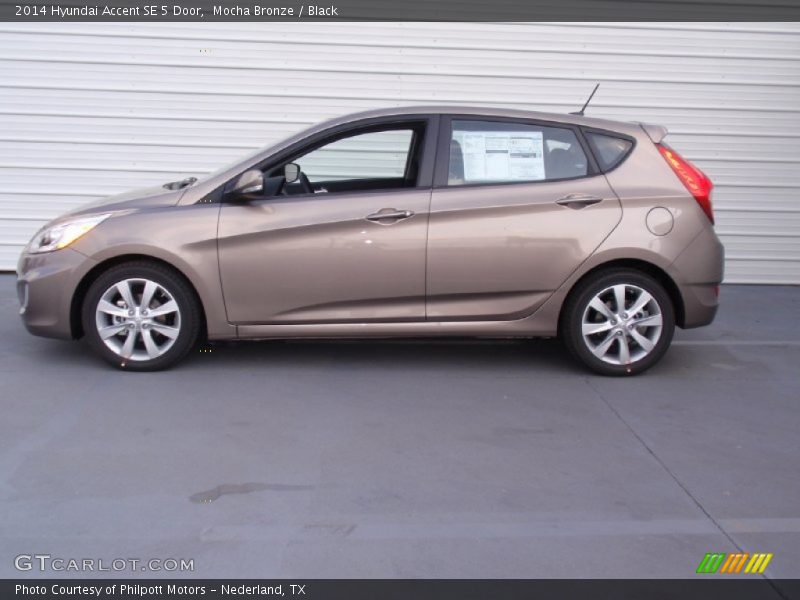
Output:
x=412 y=222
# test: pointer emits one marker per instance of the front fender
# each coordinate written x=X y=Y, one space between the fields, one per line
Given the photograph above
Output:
x=184 y=238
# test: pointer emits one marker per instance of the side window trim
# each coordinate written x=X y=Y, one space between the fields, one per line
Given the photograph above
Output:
x=427 y=148
x=443 y=149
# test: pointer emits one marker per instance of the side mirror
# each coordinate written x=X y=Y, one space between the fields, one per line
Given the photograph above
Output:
x=291 y=172
x=249 y=182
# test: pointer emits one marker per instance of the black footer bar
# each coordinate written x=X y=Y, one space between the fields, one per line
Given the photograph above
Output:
x=407 y=589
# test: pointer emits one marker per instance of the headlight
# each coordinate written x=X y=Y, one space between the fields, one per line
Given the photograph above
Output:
x=64 y=233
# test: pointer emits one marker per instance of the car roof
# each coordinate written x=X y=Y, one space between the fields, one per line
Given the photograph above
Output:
x=485 y=111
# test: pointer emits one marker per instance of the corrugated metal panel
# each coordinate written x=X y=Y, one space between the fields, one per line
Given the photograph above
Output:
x=87 y=110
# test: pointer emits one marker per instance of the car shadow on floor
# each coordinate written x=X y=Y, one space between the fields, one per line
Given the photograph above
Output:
x=508 y=356
x=535 y=356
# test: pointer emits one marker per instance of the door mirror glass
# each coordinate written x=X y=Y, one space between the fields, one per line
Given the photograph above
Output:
x=291 y=172
x=249 y=182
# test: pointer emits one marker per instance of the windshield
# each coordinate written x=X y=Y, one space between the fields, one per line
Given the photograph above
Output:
x=249 y=157
x=232 y=164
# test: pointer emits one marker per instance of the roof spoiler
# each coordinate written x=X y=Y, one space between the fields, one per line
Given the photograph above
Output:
x=655 y=132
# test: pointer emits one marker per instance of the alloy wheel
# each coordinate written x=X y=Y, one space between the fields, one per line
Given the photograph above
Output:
x=621 y=324
x=138 y=319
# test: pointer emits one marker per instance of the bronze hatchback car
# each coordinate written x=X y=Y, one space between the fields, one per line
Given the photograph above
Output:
x=412 y=222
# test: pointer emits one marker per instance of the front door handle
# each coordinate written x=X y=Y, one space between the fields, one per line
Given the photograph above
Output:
x=578 y=201
x=389 y=214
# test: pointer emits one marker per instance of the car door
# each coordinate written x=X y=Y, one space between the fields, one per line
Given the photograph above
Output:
x=352 y=249
x=517 y=207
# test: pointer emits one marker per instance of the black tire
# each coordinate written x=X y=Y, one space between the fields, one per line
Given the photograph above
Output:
x=571 y=326
x=188 y=328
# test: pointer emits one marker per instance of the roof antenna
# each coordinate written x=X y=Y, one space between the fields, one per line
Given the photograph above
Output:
x=583 y=108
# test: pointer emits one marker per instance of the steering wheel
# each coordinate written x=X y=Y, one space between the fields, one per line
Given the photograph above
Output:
x=305 y=183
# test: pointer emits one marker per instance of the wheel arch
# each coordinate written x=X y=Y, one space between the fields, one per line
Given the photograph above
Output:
x=643 y=266
x=78 y=297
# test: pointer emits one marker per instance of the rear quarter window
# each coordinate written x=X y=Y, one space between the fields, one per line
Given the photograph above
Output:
x=609 y=150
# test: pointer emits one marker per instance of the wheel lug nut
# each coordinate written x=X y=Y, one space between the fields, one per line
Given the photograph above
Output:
x=624 y=315
x=144 y=313
x=130 y=312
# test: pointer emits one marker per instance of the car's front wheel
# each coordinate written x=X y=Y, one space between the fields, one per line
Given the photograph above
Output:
x=618 y=322
x=141 y=316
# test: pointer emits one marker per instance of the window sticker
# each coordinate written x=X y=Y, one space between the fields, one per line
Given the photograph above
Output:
x=502 y=155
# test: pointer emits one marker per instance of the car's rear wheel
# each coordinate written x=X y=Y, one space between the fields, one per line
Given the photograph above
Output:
x=141 y=316
x=618 y=322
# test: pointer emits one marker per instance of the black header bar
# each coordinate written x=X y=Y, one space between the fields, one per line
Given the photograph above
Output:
x=401 y=10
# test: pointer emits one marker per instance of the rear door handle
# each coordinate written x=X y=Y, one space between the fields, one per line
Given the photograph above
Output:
x=389 y=214
x=577 y=201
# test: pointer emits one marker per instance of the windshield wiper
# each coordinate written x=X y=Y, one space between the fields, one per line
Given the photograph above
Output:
x=177 y=185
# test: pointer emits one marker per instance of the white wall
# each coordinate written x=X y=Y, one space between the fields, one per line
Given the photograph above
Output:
x=88 y=110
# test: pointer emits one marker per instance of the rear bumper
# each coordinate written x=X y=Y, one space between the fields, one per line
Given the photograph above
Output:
x=46 y=284
x=700 y=303
x=698 y=271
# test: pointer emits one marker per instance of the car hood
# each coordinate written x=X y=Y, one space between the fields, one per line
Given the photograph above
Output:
x=133 y=200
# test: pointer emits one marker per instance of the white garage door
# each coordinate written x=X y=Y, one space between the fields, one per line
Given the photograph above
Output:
x=88 y=110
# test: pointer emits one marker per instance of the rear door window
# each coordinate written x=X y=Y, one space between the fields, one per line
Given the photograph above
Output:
x=508 y=152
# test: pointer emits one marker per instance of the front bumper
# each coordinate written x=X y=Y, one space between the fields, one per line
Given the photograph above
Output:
x=46 y=285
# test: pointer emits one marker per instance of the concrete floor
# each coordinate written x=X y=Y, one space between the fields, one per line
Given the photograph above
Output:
x=409 y=459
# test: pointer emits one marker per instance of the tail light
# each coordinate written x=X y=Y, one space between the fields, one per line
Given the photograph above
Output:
x=697 y=182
